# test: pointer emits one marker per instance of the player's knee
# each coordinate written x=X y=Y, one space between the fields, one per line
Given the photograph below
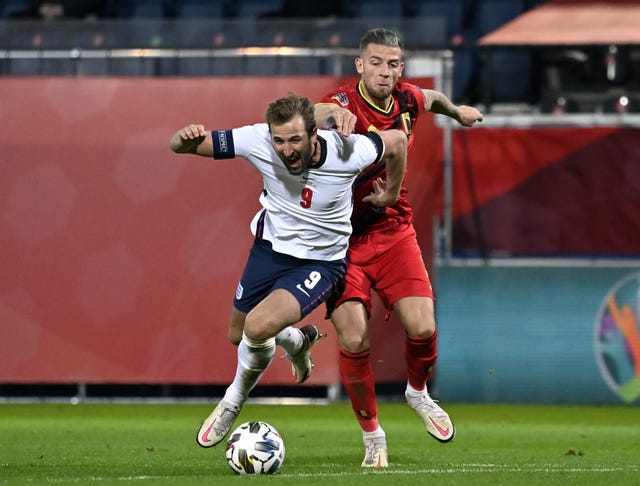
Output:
x=259 y=331
x=235 y=336
x=424 y=329
x=354 y=343
x=256 y=334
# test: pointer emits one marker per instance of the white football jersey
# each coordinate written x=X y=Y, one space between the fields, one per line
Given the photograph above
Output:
x=308 y=215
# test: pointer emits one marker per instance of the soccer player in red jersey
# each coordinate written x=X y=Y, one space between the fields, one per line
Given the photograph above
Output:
x=384 y=255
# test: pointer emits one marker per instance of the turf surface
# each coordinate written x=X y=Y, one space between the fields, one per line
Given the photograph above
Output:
x=155 y=444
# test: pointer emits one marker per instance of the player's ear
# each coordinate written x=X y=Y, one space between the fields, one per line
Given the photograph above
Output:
x=359 y=65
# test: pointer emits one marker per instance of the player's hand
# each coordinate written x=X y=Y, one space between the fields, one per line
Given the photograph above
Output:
x=380 y=196
x=192 y=133
x=468 y=115
x=188 y=138
x=343 y=120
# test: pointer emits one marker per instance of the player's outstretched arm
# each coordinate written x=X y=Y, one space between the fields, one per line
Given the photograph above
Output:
x=192 y=139
x=438 y=102
x=386 y=193
x=329 y=115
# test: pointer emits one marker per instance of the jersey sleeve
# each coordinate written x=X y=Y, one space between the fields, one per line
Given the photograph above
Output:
x=370 y=147
x=420 y=96
x=239 y=142
x=338 y=97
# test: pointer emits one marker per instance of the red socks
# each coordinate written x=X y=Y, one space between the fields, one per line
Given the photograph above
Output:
x=357 y=378
x=420 y=354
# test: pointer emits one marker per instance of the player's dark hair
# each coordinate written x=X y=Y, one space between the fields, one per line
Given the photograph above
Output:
x=380 y=36
x=284 y=109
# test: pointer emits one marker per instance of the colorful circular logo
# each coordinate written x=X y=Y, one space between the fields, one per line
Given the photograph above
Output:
x=617 y=338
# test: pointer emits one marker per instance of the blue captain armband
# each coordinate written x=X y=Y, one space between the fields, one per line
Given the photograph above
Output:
x=223 y=144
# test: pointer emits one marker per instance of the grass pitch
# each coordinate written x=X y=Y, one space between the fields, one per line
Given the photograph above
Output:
x=155 y=444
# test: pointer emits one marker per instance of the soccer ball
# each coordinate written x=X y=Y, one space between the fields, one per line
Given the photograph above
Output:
x=255 y=448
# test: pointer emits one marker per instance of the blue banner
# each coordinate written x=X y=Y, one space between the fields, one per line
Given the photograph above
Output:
x=539 y=334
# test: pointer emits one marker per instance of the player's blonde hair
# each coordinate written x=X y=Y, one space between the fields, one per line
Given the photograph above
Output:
x=380 y=36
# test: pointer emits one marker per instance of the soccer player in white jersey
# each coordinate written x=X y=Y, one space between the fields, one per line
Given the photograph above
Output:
x=301 y=234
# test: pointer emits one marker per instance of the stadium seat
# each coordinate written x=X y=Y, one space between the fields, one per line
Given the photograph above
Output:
x=424 y=32
x=25 y=35
x=252 y=9
x=200 y=9
x=56 y=37
x=383 y=9
x=452 y=11
x=338 y=33
x=5 y=34
x=116 y=34
x=491 y=14
x=275 y=33
x=87 y=36
x=146 y=9
x=10 y=7
x=204 y=33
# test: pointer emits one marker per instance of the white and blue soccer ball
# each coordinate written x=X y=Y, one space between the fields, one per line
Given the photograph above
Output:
x=255 y=448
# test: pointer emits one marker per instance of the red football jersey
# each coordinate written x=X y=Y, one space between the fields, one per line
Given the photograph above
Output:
x=408 y=102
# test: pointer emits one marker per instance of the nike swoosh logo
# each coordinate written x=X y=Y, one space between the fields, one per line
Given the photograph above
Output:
x=205 y=436
x=444 y=432
x=299 y=287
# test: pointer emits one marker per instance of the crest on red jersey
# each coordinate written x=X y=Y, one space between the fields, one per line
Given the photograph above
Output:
x=341 y=98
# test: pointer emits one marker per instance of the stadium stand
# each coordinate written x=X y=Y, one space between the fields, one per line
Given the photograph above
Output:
x=507 y=72
x=424 y=32
x=227 y=24
x=379 y=8
x=200 y=9
x=141 y=9
x=452 y=11
x=253 y=9
x=10 y=7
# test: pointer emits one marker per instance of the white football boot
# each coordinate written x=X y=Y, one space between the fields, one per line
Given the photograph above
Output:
x=435 y=420
x=217 y=425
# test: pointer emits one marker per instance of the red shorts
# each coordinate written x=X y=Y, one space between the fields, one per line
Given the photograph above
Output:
x=389 y=262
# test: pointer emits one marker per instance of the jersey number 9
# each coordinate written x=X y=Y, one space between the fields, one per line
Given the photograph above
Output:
x=306 y=196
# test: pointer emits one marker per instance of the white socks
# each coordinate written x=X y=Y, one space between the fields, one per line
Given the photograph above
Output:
x=254 y=357
x=413 y=393
x=290 y=339
x=373 y=435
